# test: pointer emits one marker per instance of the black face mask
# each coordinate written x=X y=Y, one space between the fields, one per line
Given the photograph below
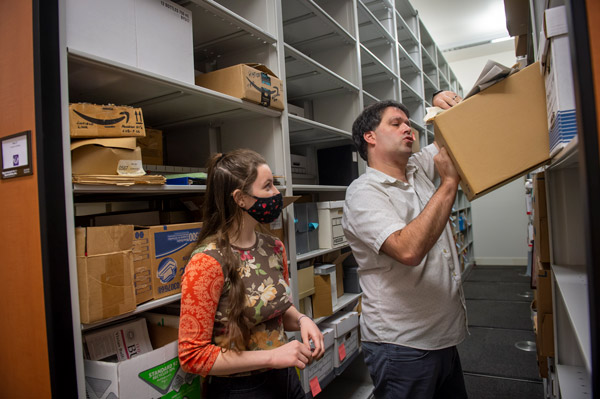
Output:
x=266 y=210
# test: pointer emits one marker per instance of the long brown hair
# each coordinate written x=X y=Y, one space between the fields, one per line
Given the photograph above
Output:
x=221 y=216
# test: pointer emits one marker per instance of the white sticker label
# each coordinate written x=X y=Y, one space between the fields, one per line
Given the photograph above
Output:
x=129 y=167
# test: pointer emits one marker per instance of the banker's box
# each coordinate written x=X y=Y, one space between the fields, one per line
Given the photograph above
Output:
x=169 y=248
x=320 y=370
x=498 y=134
x=345 y=326
x=155 y=374
x=252 y=82
x=331 y=234
x=153 y=35
x=104 y=271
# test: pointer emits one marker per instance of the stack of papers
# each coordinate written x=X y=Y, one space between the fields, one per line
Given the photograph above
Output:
x=119 y=180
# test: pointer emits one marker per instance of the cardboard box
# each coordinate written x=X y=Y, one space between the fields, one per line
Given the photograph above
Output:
x=327 y=273
x=105 y=156
x=416 y=147
x=498 y=134
x=169 y=251
x=104 y=271
x=540 y=219
x=142 y=267
x=545 y=334
x=251 y=82
x=331 y=234
x=543 y=292
x=322 y=368
x=152 y=147
x=306 y=282
x=345 y=326
x=153 y=35
x=91 y=121
x=337 y=258
x=150 y=375
x=521 y=45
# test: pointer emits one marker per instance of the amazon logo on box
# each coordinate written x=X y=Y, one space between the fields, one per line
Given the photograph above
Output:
x=91 y=120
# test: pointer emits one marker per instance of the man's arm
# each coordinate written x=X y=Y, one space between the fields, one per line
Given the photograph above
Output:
x=410 y=245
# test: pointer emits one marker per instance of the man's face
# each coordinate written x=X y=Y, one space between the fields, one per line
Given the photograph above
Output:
x=393 y=135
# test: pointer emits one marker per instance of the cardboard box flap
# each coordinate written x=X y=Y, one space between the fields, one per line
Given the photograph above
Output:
x=109 y=239
x=262 y=68
x=555 y=22
x=127 y=143
x=290 y=200
x=336 y=257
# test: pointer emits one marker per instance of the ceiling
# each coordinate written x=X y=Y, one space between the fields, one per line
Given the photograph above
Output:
x=462 y=23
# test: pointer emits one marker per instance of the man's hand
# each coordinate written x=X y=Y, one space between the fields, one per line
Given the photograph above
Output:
x=446 y=99
x=445 y=167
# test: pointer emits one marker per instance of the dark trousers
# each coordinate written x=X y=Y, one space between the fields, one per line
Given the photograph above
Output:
x=400 y=372
x=271 y=384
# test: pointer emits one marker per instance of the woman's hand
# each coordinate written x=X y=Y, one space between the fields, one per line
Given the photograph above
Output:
x=310 y=331
x=292 y=354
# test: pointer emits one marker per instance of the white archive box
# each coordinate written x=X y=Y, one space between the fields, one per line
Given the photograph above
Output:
x=154 y=374
x=153 y=35
x=331 y=234
x=345 y=326
x=558 y=78
x=322 y=368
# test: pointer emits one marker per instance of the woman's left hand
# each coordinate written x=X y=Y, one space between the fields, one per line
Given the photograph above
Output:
x=310 y=331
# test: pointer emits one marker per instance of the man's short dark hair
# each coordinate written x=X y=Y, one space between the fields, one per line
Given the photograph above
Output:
x=368 y=120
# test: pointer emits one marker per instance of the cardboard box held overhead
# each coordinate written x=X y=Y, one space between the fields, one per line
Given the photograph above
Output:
x=498 y=134
x=104 y=271
x=91 y=120
x=252 y=82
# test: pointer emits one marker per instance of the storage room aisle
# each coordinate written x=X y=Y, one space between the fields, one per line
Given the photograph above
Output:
x=499 y=314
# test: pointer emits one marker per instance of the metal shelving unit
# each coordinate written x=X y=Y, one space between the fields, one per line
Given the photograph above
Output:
x=334 y=58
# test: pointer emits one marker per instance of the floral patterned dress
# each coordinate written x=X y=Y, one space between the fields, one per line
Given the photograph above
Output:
x=204 y=303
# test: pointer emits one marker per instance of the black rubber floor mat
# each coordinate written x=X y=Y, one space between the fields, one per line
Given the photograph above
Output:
x=480 y=387
x=500 y=314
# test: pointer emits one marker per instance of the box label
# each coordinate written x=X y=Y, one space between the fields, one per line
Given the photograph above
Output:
x=161 y=376
x=169 y=242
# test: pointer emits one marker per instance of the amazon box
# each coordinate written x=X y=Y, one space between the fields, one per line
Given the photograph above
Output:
x=105 y=156
x=104 y=271
x=168 y=248
x=251 y=82
x=499 y=134
x=91 y=120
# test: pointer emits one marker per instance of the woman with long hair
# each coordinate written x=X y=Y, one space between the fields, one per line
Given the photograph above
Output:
x=235 y=297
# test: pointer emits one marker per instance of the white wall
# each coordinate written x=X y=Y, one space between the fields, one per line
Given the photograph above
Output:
x=500 y=217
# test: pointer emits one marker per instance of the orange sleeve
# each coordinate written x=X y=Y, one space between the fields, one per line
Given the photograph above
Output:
x=286 y=273
x=201 y=289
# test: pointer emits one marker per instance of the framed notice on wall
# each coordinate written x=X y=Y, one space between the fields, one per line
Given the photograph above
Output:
x=16 y=155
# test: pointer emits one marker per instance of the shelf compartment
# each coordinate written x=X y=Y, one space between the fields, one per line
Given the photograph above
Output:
x=409 y=63
x=305 y=131
x=309 y=29
x=144 y=307
x=443 y=66
x=165 y=102
x=378 y=80
x=221 y=29
x=406 y=22
x=427 y=43
x=374 y=36
x=572 y=283
x=369 y=99
x=383 y=12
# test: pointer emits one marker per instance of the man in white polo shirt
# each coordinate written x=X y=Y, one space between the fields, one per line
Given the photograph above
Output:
x=396 y=221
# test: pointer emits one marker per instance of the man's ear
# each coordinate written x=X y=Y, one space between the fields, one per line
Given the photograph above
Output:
x=370 y=137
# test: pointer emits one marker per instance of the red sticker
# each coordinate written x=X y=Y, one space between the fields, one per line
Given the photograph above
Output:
x=315 y=387
x=342 y=351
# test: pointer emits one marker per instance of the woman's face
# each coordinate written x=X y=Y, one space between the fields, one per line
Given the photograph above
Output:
x=263 y=185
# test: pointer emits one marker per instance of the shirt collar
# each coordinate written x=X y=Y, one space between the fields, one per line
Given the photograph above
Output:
x=384 y=178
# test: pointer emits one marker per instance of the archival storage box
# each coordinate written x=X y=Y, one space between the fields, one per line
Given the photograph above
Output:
x=499 y=134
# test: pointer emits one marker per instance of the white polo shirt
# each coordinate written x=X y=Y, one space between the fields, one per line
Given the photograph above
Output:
x=420 y=306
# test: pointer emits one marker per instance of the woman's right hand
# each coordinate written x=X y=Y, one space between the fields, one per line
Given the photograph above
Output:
x=292 y=354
